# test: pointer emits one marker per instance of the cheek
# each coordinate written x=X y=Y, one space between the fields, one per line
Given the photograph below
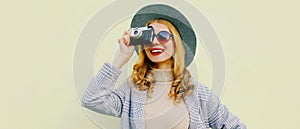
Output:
x=171 y=48
x=147 y=53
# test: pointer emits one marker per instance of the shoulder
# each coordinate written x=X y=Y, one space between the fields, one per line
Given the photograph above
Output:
x=126 y=85
x=208 y=100
x=202 y=91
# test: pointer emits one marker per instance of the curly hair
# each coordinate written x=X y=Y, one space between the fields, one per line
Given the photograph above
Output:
x=143 y=79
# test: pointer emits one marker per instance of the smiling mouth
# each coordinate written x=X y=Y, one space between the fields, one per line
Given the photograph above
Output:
x=156 y=52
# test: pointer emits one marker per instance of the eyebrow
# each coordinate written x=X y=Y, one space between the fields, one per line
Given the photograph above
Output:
x=168 y=30
x=163 y=30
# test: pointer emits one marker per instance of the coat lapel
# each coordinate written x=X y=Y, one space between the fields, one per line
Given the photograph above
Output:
x=195 y=113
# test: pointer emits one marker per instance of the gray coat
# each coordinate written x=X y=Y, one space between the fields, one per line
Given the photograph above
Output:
x=205 y=109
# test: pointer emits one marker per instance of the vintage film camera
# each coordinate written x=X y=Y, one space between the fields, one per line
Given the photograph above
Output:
x=141 y=36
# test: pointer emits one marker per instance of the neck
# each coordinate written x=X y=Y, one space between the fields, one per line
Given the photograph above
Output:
x=167 y=64
x=162 y=75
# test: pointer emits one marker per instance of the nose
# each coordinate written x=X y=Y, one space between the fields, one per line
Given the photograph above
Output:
x=155 y=41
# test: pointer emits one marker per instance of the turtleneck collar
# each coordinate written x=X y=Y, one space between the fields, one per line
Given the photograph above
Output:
x=163 y=75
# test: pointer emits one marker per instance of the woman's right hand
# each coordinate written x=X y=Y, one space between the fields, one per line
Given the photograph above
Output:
x=126 y=50
x=124 y=42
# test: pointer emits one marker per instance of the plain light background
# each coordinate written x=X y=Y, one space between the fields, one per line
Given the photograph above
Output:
x=38 y=38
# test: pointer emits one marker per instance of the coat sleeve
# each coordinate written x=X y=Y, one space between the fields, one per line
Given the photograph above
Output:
x=220 y=117
x=100 y=95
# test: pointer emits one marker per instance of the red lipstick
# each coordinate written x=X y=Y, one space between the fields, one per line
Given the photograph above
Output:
x=156 y=51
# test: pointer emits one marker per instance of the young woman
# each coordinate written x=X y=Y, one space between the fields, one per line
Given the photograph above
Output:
x=160 y=94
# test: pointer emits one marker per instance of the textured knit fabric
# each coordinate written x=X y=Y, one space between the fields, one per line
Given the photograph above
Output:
x=160 y=108
x=205 y=109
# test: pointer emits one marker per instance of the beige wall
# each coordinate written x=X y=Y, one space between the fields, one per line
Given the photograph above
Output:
x=38 y=39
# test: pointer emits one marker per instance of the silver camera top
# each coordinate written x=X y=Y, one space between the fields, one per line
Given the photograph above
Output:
x=137 y=32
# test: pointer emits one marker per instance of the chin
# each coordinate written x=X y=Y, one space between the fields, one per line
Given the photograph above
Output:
x=159 y=60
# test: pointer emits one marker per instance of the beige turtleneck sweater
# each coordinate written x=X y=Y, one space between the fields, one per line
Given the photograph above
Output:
x=160 y=112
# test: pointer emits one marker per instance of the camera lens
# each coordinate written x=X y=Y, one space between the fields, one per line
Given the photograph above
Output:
x=136 y=33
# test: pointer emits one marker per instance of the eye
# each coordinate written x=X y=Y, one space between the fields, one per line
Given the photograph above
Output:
x=163 y=36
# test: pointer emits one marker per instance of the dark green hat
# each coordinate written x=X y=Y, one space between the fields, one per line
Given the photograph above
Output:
x=160 y=11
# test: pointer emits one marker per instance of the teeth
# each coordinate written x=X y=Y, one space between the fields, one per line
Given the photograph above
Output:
x=153 y=51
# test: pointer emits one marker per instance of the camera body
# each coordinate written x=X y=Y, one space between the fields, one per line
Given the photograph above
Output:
x=141 y=36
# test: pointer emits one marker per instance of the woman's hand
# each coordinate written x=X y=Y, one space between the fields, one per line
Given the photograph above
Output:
x=126 y=51
x=124 y=42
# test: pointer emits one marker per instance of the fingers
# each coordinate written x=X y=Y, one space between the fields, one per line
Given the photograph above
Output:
x=125 y=38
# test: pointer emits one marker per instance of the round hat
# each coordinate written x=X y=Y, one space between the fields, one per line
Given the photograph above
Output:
x=161 y=11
